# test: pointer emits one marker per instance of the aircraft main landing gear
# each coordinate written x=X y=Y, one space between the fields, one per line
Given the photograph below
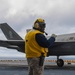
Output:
x=60 y=62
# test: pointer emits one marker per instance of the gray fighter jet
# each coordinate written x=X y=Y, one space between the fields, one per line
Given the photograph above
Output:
x=63 y=46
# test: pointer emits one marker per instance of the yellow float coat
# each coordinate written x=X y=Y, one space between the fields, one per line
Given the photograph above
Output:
x=32 y=48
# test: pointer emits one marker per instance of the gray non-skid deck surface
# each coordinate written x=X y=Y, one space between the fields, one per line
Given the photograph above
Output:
x=51 y=70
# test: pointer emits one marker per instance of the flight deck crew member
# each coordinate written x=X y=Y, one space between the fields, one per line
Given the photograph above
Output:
x=36 y=45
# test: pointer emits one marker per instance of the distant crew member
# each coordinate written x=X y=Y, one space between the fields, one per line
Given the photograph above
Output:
x=36 y=47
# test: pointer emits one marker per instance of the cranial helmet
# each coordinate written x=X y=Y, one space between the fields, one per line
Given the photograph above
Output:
x=39 y=24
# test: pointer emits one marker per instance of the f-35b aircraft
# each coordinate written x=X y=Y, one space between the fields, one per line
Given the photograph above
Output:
x=64 y=44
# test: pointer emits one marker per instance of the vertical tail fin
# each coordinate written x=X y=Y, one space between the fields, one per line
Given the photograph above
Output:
x=9 y=32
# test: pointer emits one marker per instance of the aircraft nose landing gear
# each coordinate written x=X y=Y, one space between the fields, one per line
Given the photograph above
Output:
x=60 y=62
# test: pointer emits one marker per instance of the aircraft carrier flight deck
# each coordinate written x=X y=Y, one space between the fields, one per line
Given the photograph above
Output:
x=10 y=68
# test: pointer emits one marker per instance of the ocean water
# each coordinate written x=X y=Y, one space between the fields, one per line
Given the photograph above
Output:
x=24 y=71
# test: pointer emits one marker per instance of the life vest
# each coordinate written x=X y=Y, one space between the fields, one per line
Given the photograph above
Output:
x=32 y=48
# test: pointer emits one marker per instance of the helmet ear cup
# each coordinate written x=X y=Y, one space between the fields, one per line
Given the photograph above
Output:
x=36 y=25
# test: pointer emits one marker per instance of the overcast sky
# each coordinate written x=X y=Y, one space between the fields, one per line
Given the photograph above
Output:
x=59 y=15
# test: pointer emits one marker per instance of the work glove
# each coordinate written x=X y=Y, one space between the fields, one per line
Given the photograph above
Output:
x=53 y=35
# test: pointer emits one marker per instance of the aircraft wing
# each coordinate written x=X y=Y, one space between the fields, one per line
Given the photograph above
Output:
x=20 y=45
x=13 y=44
